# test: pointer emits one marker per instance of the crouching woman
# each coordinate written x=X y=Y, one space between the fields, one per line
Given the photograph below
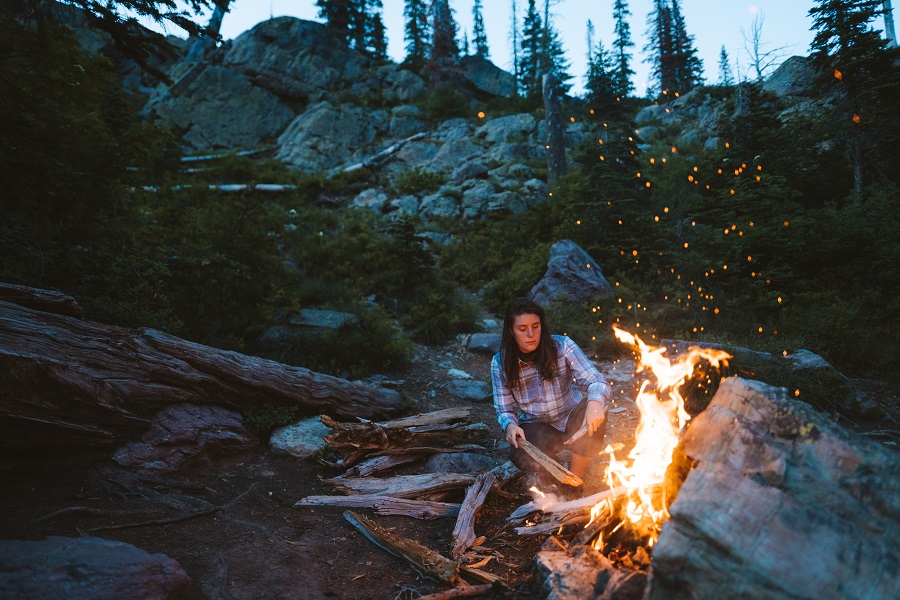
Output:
x=546 y=389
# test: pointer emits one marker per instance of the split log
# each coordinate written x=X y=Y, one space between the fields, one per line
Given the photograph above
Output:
x=464 y=530
x=385 y=505
x=401 y=486
x=559 y=472
x=781 y=502
x=426 y=561
x=68 y=382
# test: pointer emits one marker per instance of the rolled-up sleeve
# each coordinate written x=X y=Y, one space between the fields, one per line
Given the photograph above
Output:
x=587 y=377
x=504 y=403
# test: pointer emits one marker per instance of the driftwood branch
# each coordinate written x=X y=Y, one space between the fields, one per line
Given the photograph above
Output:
x=385 y=505
x=464 y=530
x=559 y=472
x=178 y=519
x=401 y=486
x=426 y=561
x=469 y=591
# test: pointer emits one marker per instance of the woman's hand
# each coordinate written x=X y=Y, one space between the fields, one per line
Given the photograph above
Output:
x=594 y=416
x=513 y=431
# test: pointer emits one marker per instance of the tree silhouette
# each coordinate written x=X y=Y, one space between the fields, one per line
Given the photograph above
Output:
x=480 y=41
x=416 y=32
x=622 y=68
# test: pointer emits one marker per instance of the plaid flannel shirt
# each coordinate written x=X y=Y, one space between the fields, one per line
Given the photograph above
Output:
x=535 y=399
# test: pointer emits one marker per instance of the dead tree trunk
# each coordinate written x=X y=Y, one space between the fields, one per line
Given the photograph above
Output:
x=781 y=503
x=68 y=382
x=556 y=143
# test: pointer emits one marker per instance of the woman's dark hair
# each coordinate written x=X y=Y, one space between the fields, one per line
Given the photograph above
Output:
x=544 y=356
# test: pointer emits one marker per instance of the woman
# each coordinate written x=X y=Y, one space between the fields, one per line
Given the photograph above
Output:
x=536 y=378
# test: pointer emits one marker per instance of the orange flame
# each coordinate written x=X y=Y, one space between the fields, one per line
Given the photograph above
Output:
x=662 y=418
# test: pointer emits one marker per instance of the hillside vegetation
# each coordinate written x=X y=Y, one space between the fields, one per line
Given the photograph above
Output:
x=760 y=238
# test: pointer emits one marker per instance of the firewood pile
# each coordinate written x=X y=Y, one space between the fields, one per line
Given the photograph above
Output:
x=365 y=450
x=770 y=499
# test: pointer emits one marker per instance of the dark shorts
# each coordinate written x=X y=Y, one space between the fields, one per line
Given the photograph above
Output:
x=551 y=441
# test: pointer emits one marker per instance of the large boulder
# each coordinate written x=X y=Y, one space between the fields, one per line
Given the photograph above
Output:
x=194 y=107
x=327 y=136
x=86 y=568
x=572 y=275
x=185 y=435
x=793 y=78
x=487 y=77
x=304 y=439
x=513 y=128
x=293 y=58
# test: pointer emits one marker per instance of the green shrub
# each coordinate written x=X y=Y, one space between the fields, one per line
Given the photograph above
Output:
x=416 y=181
x=269 y=417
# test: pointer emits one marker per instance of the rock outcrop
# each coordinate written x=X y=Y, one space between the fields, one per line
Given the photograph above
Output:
x=572 y=276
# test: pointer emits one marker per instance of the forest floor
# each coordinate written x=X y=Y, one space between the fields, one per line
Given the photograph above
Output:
x=257 y=545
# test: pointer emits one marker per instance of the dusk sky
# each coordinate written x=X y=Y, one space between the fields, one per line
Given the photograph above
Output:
x=713 y=23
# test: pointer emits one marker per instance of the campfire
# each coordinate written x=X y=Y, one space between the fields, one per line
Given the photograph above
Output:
x=662 y=418
x=730 y=469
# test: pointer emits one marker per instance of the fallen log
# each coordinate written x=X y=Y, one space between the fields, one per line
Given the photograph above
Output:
x=385 y=505
x=43 y=300
x=68 y=382
x=559 y=472
x=781 y=502
x=464 y=530
x=426 y=561
x=383 y=155
x=401 y=486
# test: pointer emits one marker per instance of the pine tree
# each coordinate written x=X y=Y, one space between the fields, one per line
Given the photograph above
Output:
x=659 y=48
x=443 y=32
x=530 y=60
x=675 y=66
x=622 y=43
x=589 y=38
x=601 y=78
x=480 y=41
x=339 y=17
x=117 y=19
x=514 y=39
x=416 y=32
x=859 y=73
x=376 y=40
x=687 y=65
x=725 y=76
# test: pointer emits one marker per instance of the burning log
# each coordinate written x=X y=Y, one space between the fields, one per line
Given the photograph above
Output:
x=419 y=435
x=781 y=502
x=386 y=505
x=401 y=486
x=559 y=472
x=464 y=530
x=426 y=561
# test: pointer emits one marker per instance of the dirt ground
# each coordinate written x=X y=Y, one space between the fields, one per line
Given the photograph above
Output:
x=254 y=543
